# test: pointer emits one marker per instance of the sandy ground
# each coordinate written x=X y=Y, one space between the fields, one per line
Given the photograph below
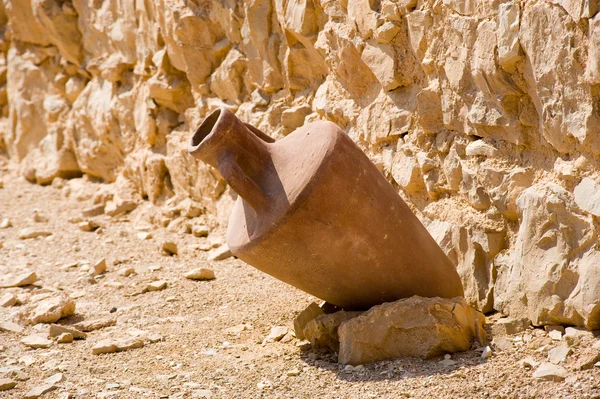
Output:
x=196 y=355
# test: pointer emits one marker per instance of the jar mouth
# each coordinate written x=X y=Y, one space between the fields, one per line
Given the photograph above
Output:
x=204 y=130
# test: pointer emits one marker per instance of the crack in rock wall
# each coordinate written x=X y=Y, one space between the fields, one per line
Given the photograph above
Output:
x=485 y=114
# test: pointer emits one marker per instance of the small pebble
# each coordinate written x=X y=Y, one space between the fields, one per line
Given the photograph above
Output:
x=170 y=248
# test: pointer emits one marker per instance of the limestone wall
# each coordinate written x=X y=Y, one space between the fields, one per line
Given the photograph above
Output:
x=484 y=113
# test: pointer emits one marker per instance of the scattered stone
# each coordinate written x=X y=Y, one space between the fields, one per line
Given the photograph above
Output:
x=502 y=344
x=219 y=253
x=39 y=217
x=55 y=378
x=559 y=354
x=154 y=337
x=237 y=330
x=6 y=384
x=65 y=338
x=88 y=225
x=556 y=335
x=550 y=372
x=56 y=330
x=121 y=345
x=36 y=341
x=7 y=300
x=20 y=280
x=7 y=326
x=39 y=391
x=169 y=247
x=5 y=223
x=144 y=235
x=98 y=268
x=311 y=312
x=33 y=232
x=95 y=210
x=126 y=271
x=487 y=353
x=156 y=286
x=528 y=363
x=52 y=309
x=118 y=207
x=95 y=324
x=416 y=326
x=293 y=373
x=588 y=360
x=574 y=336
x=277 y=332
x=200 y=274
x=200 y=230
x=509 y=326
x=322 y=332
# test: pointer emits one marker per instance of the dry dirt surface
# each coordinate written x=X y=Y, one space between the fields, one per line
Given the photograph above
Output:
x=204 y=339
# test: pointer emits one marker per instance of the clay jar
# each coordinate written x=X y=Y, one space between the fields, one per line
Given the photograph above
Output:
x=315 y=212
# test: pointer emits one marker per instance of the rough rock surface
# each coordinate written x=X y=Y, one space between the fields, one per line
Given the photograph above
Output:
x=418 y=327
x=113 y=92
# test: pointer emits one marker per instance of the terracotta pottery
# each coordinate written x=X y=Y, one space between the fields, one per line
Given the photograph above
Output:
x=315 y=212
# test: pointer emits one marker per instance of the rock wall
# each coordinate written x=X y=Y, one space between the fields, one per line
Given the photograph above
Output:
x=485 y=114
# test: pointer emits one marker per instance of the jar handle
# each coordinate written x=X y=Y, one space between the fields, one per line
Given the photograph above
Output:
x=242 y=184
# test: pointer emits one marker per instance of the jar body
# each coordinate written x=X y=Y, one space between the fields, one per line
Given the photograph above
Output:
x=336 y=228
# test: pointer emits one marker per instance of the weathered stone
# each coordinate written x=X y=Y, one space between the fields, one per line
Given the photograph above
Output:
x=200 y=230
x=276 y=334
x=56 y=330
x=544 y=252
x=39 y=391
x=422 y=327
x=98 y=268
x=32 y=232
x=7 y=384
x=52 y=309
x=7 y=300
x=65 y=338
x=95 y=324
x=156 y=286
x=508 y=36
x=117 y=345
x=36 y=341
x=509 y=326
x=550 y=372
x=118 y=207
x=20 y=280
x=559 y=354
x=88 y=225
x=11 y=327
x=311 y=312
x=587 y=196
x=322 y=332
x=169 y=247
x=200 y=274
x=220 y=253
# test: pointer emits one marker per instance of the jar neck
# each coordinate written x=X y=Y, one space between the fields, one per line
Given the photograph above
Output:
x=239 y=153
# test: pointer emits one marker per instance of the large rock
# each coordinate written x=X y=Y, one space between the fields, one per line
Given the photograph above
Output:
x=550 y=275
x=52 y=309
x=419 y=327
